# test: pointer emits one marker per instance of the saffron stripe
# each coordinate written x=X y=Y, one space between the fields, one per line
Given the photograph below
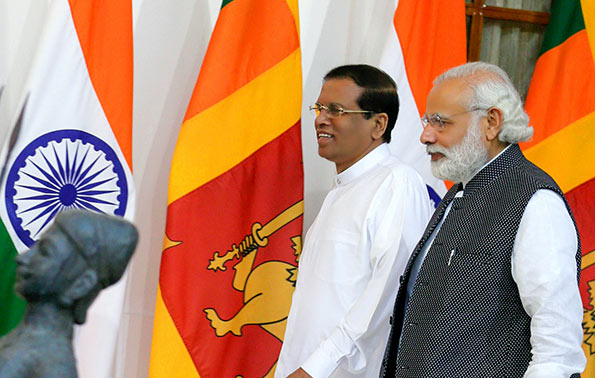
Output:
x=570 y=71
x=561 y=157
x=234 y=57
x=172 y=347
x=105 y=33
x=217 y=139
x=419 y=25
x=293 y=8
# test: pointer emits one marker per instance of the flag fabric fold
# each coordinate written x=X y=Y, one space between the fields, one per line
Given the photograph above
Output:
x=235 y=201
x=71 y=147
x=561 y=108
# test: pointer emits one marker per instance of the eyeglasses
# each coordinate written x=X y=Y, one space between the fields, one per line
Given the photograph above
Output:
x=335 y=110
x=438 y=121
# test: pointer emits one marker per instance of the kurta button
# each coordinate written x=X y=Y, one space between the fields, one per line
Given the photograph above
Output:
x=390 y=320
x=401 y=279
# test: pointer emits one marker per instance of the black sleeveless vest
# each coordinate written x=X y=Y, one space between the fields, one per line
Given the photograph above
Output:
x=464 y=317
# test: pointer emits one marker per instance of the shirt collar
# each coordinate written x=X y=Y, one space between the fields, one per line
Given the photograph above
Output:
x=370 y=160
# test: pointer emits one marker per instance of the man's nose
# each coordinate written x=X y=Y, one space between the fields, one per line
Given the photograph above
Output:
x=321 y=119
x=428 y=135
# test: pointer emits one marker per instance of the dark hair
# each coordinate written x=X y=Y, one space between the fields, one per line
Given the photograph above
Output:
x=379 y=91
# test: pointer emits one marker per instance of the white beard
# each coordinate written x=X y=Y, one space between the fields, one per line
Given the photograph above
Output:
x=461 y=162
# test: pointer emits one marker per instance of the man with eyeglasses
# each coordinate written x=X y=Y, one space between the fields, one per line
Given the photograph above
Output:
x=491 y=290
x=360 y=241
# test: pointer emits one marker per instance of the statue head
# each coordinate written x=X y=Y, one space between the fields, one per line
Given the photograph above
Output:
x=82 y=253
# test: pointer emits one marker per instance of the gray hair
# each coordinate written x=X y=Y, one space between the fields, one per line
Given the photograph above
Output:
x=491 y=87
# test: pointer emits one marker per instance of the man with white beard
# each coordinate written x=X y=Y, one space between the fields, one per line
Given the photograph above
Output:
x=491 y=290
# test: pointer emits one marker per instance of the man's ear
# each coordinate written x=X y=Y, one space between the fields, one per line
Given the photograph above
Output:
x=380 y=122
x=495 y=119
x=82 y=286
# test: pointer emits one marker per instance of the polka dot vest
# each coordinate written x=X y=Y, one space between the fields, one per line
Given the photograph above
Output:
x=465 y=317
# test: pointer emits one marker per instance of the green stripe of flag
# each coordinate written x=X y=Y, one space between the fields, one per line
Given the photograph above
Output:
x=225 y=2
x=566 y=19
x=12 y=307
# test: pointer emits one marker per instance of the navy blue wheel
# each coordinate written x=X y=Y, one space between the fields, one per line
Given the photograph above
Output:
x=64 y=169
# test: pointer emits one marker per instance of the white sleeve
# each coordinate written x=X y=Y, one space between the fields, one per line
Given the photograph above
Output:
x=544 y=269
x=402 y=214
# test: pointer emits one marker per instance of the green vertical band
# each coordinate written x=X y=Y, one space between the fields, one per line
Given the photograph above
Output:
x=12 y=307
x=566 y=19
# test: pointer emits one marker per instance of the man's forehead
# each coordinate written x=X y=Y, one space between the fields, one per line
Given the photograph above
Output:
x=448 y=94
x=339 y=90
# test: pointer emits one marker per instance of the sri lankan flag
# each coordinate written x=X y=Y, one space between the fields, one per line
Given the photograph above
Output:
x=561 y=106
x=234 y=222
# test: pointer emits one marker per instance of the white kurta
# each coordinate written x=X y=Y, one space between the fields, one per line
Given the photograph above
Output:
x=349 y=269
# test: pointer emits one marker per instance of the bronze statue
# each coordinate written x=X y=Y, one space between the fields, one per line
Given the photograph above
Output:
x=79 y=255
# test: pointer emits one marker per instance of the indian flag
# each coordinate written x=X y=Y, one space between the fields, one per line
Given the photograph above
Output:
x=561 y=107
x=70 y=147
x=234 y=215
x=427 y=38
